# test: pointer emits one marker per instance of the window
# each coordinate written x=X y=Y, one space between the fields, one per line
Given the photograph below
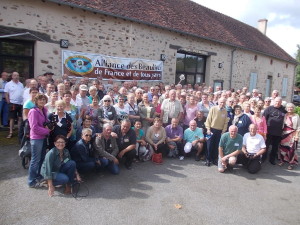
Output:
x=17 y=55
x=268 y=86
x=253 y=80
x=191 y=66
x=284 y=86
x=218 y=83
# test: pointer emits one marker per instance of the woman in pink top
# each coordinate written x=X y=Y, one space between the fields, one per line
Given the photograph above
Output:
x=156 y=105
x=260 y=121
x=37 y=118
x=190 y=112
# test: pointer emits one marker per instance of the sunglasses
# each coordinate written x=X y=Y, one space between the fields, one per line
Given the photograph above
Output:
x=88 y=135
x=106 y=100
x=121 y=99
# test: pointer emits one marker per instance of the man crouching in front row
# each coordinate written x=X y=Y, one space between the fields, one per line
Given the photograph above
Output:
x=253 y=148
x=230 y=147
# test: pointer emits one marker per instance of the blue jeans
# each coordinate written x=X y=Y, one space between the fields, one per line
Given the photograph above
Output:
x=4 y=112
x=66 y=174
x=38 y=152
x=213 y=145
x=110 y=165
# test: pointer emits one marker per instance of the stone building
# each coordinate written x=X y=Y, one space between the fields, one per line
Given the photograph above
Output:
x=204 y=45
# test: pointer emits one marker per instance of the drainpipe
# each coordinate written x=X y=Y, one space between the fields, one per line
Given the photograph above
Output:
x=231 y=67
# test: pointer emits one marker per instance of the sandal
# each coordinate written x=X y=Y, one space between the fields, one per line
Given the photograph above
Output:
x=9 y=135
x=280 y=164
x=290 y=167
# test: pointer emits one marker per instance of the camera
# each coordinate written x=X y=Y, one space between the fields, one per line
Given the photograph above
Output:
x=51 y=124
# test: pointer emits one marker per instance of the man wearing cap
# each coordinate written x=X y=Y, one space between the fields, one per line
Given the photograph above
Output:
x=229 y=147
x=194 y=139
x=49 y=76
x=82 y=101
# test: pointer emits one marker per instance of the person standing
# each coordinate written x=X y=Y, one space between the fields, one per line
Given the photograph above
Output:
x=216 y=124
x=290 y=137
x=14 y=98
x=171 y=108
x=274 y=116
x=37 y=117
x=3 y=103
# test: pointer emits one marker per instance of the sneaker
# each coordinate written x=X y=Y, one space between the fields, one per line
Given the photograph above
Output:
x=197 y=158
x=181 y=158
x=207 y=163
x=35 y=184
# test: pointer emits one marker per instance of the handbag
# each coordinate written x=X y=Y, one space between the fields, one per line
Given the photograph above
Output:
x=157 y=158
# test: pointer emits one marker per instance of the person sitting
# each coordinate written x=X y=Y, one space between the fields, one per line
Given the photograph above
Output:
x=82 y=153
x=253 y=148
x=106 y=147
x=141 y=144
x=229 y=147
x=194 y=138
x=156 y=137
x=58 y=168
x=174 y=134
x=126 y=142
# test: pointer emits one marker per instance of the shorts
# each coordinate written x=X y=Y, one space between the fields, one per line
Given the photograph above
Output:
x=14 y=111
x=221 y=166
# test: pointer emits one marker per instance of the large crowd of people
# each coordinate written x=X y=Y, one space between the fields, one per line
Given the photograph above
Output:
x=78 y=126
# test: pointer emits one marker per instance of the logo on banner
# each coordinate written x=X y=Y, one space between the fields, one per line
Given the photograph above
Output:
x=79 y=64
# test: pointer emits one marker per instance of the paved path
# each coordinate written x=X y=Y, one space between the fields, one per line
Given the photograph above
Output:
x=148 y=194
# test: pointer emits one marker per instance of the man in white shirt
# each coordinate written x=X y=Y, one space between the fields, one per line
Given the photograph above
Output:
x=82 y=101
x=253 y=148
x=14 y=98
x=26 y=95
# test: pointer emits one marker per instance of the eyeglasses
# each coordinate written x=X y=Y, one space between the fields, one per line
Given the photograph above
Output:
x=88 y=135
x=106 y=100
x=60 y=142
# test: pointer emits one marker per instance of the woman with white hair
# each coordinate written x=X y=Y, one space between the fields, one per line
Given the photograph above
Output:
x=290 y=137
x=93 y=94
x=107 y=113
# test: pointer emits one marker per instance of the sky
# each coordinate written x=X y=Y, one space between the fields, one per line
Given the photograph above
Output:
x=283 y=18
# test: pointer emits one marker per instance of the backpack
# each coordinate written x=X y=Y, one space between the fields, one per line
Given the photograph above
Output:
x=25 y=154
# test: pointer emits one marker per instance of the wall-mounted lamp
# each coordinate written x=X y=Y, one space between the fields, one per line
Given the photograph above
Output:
x=64 y=43
x=220 y=65
x=163 y=57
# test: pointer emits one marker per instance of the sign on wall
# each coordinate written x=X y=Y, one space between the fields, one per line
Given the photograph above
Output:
x=89 y=65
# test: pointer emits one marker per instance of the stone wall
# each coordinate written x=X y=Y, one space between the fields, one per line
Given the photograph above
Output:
x=97 y=33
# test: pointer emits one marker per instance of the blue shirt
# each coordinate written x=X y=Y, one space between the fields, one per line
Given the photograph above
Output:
x=191 y=136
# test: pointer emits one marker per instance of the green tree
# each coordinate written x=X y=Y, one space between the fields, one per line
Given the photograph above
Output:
x=298 y=67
